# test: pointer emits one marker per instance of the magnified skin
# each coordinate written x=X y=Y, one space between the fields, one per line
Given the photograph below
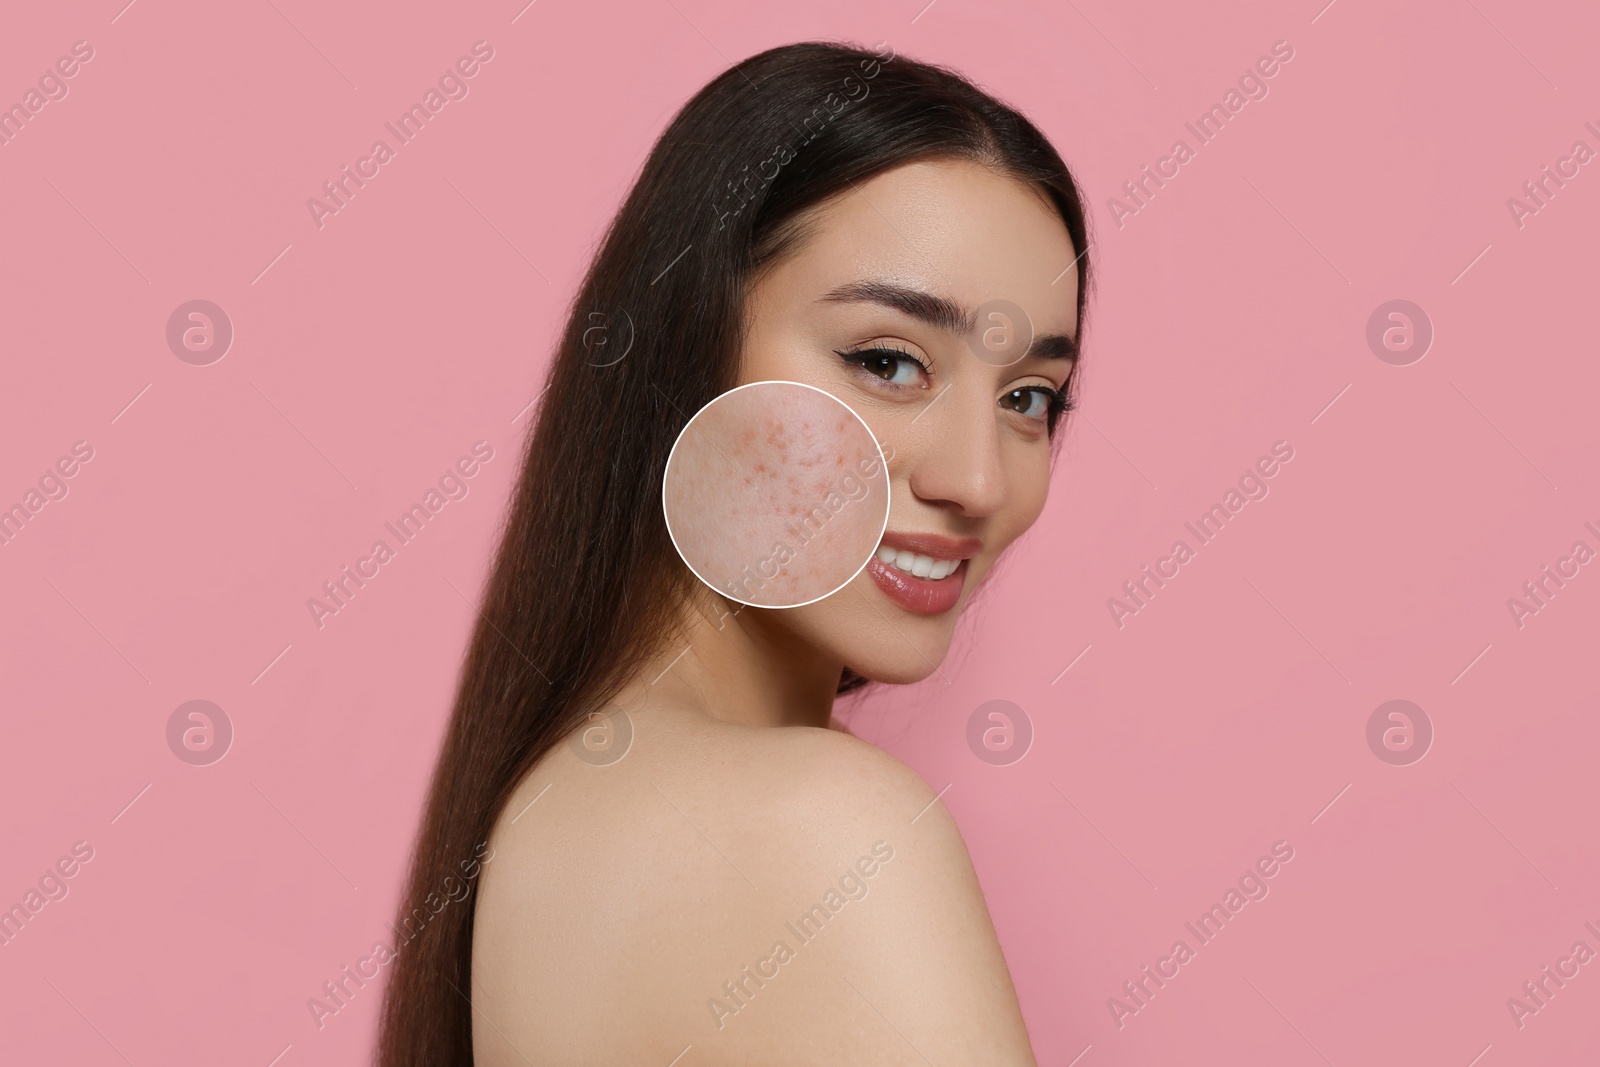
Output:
x=775 y=494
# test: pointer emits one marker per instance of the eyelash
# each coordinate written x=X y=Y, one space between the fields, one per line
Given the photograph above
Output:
x=1058 y=401
x=862 y=356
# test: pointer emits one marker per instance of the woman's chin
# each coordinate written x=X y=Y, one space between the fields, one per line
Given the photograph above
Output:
x=902 y=665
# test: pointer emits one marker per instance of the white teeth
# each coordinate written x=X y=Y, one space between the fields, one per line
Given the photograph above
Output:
x=918 y=565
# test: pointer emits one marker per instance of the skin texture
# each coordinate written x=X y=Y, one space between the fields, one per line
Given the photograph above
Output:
x=623 y=896
x=768 y=497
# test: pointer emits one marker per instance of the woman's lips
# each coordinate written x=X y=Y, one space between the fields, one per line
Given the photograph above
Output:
x=920 y=595
x=924 y=596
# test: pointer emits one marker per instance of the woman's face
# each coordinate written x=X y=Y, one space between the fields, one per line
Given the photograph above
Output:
x=879 y=306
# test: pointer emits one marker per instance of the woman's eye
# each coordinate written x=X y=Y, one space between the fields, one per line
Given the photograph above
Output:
x=1033 y=401
x=894 y=367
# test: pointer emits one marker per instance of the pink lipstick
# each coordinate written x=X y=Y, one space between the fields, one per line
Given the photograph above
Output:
x=923 y=573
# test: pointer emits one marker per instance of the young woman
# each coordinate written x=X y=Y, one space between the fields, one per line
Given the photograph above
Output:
x=721 y=877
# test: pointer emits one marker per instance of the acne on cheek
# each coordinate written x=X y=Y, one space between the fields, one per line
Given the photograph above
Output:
x=834 y=515
x=774 y=489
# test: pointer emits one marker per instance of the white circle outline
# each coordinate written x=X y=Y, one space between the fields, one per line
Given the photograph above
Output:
x=883 y=464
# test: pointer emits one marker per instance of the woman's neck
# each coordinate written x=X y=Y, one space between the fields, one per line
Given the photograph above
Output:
x=739 y=665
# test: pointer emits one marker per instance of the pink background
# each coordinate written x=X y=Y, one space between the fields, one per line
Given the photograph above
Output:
x=1225 y=716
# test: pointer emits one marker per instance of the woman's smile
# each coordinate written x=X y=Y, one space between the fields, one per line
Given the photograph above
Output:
x=924 y=573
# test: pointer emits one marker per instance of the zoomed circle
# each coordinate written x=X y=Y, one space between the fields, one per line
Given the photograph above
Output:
x=199 y=732
x=1399 y=732
x=1399 y=332
x=199 y=332
x=999 y=732
x=776 y=494
x=604 y=738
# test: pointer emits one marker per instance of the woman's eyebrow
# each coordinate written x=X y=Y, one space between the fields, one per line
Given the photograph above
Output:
x=940 y=313
x=936 y=311
x=1053 y=346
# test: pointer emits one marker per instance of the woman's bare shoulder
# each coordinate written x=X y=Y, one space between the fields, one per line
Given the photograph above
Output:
x=789 y=895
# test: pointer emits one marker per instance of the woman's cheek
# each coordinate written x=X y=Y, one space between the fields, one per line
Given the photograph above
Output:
x=1030 y=489
x=769 y=497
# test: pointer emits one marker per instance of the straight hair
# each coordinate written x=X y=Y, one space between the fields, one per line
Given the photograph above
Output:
x=586 y=585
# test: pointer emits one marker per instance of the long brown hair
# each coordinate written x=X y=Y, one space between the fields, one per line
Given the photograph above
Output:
x=586 y=581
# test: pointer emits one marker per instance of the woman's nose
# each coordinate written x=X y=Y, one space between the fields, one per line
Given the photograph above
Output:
x=957 y=459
